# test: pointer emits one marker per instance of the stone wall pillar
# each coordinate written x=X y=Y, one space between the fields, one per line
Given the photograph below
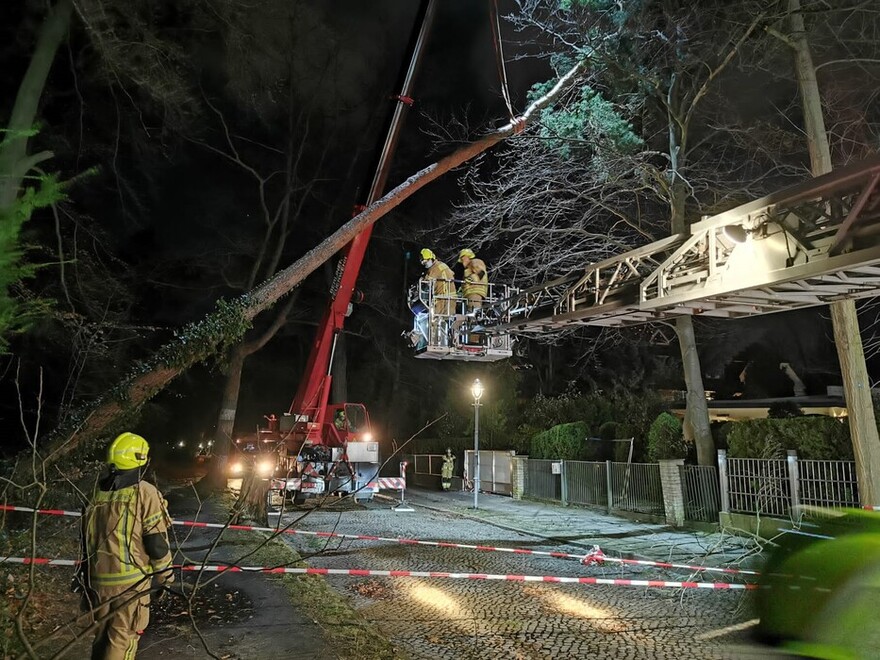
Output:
x=673 y=494
x=518 y=469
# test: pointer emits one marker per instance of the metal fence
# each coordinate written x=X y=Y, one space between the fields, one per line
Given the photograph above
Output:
x=828 y=483
x=758 y=485
x=427 y=463
x=780 y=487
x=626 y=486
x=770 y=487
x=586 y=483
x=702 y=493
x=541 y=483
x=636 y=487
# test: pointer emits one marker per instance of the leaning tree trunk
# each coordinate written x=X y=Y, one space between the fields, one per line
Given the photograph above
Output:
x=251 y=503
x=850 y=353
x=216 y=477
x=225 y=326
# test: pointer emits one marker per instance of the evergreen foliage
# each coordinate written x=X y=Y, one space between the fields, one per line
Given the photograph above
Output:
x=614 y=414
x=565 y=442
x=819 y=438
x=591 y=122
x=665 y=439
x=17 y=312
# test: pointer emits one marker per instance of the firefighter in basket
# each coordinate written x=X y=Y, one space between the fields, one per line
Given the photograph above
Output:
x=446 y=469
x=125 y=550
x=443 y=290
x=475 y=287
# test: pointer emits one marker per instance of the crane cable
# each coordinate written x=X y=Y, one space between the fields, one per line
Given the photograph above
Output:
x=499 y=56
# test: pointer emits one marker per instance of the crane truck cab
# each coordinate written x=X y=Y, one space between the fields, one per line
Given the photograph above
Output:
x=331 y=453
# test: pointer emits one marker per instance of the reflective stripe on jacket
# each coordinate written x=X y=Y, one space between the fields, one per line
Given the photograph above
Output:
x=115 y=524
x=476 y=279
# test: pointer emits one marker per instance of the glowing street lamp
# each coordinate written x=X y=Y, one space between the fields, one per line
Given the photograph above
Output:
x=477 y=392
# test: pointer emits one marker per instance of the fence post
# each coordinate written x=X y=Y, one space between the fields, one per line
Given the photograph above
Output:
x=563 y=475
x=518 y=469
x=791 y=461
x=608 y=491
x=673 y=493
x=723 y=482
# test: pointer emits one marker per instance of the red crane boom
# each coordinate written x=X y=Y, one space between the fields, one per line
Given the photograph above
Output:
x=320 y=454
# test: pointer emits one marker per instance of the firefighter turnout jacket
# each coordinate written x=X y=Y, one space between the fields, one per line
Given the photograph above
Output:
x=444 y=287
x=125 y=542
x=125 y=529
x=476 y=279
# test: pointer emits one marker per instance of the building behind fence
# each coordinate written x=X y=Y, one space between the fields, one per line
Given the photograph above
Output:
x=782 y=488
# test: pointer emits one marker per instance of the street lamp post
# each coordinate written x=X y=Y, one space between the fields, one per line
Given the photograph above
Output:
x=477 y=391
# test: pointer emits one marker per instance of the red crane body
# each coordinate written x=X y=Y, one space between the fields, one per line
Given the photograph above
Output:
x=313 y=394
x=316 y=456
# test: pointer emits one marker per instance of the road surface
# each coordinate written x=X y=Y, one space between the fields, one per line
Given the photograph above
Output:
x=445 y=618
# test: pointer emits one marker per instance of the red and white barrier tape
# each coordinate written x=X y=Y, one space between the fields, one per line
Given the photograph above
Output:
x=48 y=512
x=364 y=572
x=595 y=555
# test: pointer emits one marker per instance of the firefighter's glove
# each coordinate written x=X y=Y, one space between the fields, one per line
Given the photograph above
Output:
x=164 y=577
x=161 y=584
x=157 y=593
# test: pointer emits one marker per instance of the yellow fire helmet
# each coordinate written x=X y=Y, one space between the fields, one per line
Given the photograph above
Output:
x=467 y=252
x=427 y=254
x=128 y=451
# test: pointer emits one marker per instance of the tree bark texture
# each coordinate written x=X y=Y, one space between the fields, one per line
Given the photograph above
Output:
x=857 y=388
x=696 y=428
x=697 y=408
x=252 y=502
x=847 y=338
x=811 y=99
x=140 y=388
x=229 y=405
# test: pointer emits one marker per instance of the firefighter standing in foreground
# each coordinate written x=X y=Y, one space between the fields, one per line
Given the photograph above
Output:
x=476 y=279
x=125 y=541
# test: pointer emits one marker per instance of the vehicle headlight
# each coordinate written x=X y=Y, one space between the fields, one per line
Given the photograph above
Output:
x=265 y=468
x=236 y=468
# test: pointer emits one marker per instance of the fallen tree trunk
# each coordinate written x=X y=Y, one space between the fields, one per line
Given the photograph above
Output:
x=226 y=326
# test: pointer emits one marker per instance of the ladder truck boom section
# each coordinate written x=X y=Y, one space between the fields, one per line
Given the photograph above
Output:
x=810 y=244
x=328 y=446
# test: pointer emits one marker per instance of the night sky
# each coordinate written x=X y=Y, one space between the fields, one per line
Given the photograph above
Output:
x=165 y=225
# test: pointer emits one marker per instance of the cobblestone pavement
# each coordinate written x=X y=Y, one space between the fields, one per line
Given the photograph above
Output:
x=445 y=618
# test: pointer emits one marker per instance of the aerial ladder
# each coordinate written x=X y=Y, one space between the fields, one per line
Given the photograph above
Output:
x=324 y=446
x=810 y=244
